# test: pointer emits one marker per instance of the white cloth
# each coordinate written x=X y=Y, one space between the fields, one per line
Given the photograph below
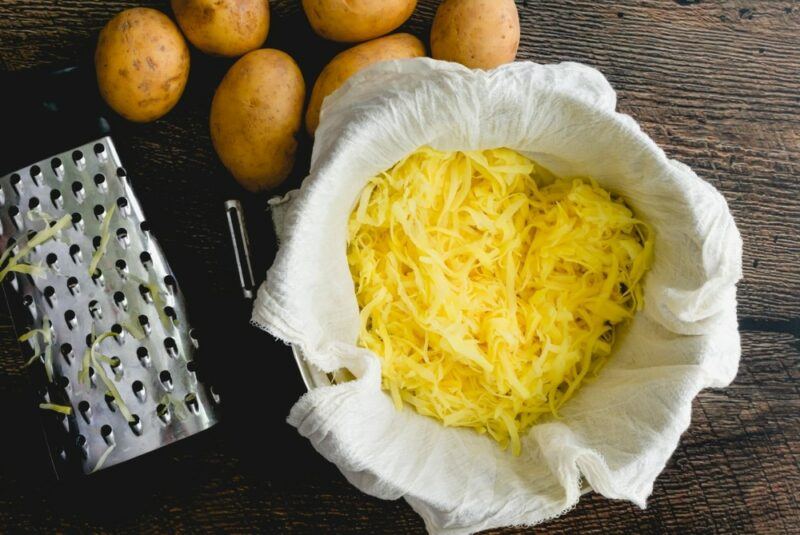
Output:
x=618 y=432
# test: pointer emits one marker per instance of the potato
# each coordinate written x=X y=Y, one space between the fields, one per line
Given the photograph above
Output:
x=352 y=60
x=142 y=64
x=255 y=115
x=223 y=27
x=351 y=21
x=480 y=34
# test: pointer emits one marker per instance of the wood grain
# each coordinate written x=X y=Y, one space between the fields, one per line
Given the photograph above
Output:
x=714 y=83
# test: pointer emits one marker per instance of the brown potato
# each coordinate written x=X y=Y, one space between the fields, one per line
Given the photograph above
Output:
x=480 y=34
x=351 y=21
x=142 y=64
x=255 y=115
x=223 y=27
x=352 y=60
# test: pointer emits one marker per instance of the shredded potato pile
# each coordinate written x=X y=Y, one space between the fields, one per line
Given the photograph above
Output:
x=488 y=288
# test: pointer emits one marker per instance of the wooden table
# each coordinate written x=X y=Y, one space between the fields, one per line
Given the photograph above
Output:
x=716 y=84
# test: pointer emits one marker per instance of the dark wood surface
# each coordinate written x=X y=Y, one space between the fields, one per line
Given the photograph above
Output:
x=716 y=84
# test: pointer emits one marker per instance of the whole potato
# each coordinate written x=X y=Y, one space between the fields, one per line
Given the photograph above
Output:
x=223 y=27
x=352 y=60
x=351 y=21
x=255 y=115
x=480 y=34
x=142 y=64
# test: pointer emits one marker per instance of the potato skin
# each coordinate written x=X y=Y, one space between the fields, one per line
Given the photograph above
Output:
x=223 y=27
x=352 y=21
x=480 y=34
x=352 y=60
x=142 y=64
x=255 y=115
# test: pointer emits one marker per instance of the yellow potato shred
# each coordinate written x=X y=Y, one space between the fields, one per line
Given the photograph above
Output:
x=488 y=288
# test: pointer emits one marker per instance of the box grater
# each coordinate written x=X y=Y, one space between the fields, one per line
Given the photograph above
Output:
x=111 y=349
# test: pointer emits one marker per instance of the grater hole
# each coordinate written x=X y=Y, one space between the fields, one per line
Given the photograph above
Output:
x=115 y=362
x=66 y=352
x=14 y=181
x=86 y=411
x=99 y=149
x=13 y=213
x=122 y=267
x=36 y=173
x=121 y=173
x=31 y=236
x=77 y=157
x=100 y=180
x=77 y=221
x=107 y=433
x=80 y=442
x=144 y=321
x=146 y=259
x=163 y=413
x=138 y=390
x=120 y=300
x=72 y=286
x=96 y=241
x=99 y=211
x=144 y=356
x=51 y=259
x=69 y=317
x=171 y=346
x=166 y=380
x=145 y=293
x=27 y=300
x=191 y=402
x=97 y=277
x=191 y=366
x=145 y=226
x=170 y=283
x=135 y=424
x=77 y=190
x=117 y=330
x=122 y=235
x=57 y=167
x=62 y=382
x=55 y=198
x=122 y=204
x=94 y=309
x=90 y=338
x=33 y=204
x=75 y=252
x=111 y=401
x=49 y=295
x=171 y=314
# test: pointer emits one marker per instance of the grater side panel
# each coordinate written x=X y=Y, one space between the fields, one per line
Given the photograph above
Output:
x=136 y=293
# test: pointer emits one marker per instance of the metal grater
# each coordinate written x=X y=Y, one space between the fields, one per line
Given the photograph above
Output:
x=149 y=358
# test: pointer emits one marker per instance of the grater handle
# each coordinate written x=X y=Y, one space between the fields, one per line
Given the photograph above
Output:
x=241 y=247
